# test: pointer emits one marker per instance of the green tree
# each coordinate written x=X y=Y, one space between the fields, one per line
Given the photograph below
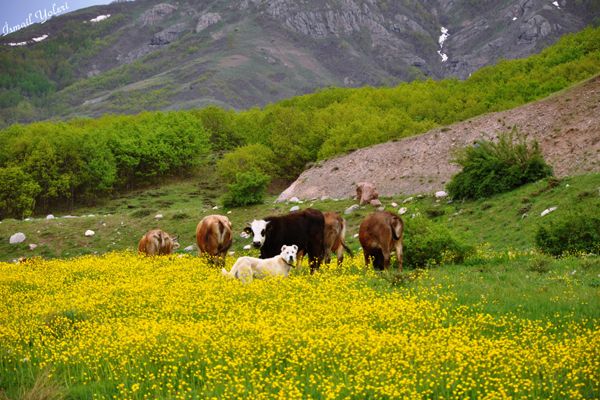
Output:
x=18 y=191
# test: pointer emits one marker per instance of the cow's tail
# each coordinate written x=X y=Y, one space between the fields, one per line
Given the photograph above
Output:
x=157 y=241
x=343 y=238
x=225 y=273
x=221 y=233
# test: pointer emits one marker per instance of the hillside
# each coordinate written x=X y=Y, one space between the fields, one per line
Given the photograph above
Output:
x=183 y=54
x=566 y=125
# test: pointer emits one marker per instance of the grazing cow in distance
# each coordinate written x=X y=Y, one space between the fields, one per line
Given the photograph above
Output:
x=157 y=242
x=214 y=237
x=302 y=228
x=246 y=268
x=379 y=234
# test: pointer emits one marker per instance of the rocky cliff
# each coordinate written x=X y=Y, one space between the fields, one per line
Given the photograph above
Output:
x=241 y=53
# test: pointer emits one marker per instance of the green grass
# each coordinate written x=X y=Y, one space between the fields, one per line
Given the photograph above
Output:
x=119 y=223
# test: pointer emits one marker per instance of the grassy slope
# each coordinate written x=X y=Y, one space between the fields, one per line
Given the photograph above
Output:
x=119 y=223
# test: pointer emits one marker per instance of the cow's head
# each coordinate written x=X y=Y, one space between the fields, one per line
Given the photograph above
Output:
x=288 y=253
x=258 y=230
x=175 y=241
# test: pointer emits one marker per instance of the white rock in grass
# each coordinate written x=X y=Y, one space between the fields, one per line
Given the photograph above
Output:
x=402 y=210
x=295 y=208
x=441 y=194
x=157 y=216
x=355 y=235
x=247 y=247
x=408 y=200
x=32 y=246
x=17 y=238
x=231 y=253
x=215 y=208
x=547 y=211
x=351 y=209
x=394 y=204
x=89 y=233
x=49 y=216
x=294 y=200
x=189 y=248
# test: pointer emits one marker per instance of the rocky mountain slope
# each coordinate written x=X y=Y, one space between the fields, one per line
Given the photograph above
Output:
x=566 y=125
x=174 y=54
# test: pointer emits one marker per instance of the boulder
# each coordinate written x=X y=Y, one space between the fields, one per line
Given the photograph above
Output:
x=49 y=216
x=17 y=238
x=32 y=246
x=295 y=208
x=247 y=247
x=89 y=233
x=402 y=210
x=207 y=20
x=366 y=192
x=441 y=194
x=189 y=248
x=375 y=203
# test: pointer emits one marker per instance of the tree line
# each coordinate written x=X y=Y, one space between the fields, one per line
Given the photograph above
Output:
x=46 y=163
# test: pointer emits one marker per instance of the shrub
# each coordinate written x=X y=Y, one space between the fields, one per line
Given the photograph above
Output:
x=251 y=157
x=248 y=188
x=540 y=264
x=17 y=193
x=573 y=233
x=489 y=168
x=427 y=243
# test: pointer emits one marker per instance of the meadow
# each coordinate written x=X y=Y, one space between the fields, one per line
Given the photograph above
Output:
x=506 y=322
x=125 y=326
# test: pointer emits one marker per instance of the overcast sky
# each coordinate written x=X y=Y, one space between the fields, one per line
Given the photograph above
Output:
x=22 y=12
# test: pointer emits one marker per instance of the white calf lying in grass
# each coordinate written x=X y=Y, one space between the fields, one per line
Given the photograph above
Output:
x=246 y=268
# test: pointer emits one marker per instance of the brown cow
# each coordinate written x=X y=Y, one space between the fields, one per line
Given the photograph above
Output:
x=334 y=238
x=379 y=234
x=157 y=242
x=214 y=237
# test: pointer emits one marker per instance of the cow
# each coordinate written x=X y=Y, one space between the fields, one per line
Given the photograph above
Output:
x=334 y=238
x=246 y=268
x=379 y=234
x=303 y=228
x=214 y=237
x=157 y=242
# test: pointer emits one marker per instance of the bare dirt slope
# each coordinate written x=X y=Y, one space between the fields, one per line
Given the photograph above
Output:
x=566 y=125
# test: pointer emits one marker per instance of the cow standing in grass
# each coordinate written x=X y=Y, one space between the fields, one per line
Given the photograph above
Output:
x=214 y=237
x=157 y=242
x=379 y=234
x=303 y=228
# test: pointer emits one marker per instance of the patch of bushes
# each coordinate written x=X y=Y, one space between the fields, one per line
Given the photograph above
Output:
x=573 y=233
x=427 y=244
x=540 y=264
x=18 y=191
x=249 y=188
x=489 y=168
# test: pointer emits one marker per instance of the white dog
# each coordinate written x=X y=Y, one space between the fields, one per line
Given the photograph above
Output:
x=246 y=268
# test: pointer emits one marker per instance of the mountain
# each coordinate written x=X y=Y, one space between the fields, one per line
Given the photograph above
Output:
x=132 y=56
x=566 y=126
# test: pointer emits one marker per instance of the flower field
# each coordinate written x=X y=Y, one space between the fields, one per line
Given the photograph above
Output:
x=124 y=326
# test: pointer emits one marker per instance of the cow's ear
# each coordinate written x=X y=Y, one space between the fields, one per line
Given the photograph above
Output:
x=248 y=230
x=295 y=247
x=174 y=238
x=283 y=247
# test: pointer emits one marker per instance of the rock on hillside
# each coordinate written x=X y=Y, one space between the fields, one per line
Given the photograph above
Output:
x=566 y=125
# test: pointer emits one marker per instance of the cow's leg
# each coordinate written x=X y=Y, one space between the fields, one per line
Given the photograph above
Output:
x=399 y=253
x=379 y=261
x=339 y=252
x=386 y=255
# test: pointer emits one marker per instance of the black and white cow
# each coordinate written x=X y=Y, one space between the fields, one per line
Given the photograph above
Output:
x=303 y=228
